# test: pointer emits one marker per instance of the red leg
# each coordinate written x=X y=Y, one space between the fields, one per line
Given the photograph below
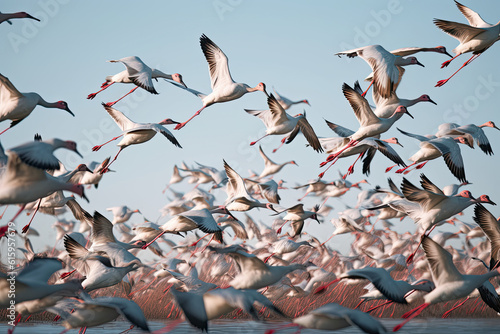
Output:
x=278 y=231
x=446 y=63
x=149 y=243
x=66 y=275
x=27 y=227
x=300 y=199
x=366 y=91
x=254 y=142
x=4 y=130
x=410 y=315
x=18 y=212
x=106 y=169
x=447 y=313
x=322 y=288
x=388 y=169
x=442 y=82
x=282 y=143
x=103 y=87
x=399 y=171
x=181 y=125
x=110 y=104
x=98 y=147
x=378 y=306
x=203 y=237
x=350 y=170
x=267 y=258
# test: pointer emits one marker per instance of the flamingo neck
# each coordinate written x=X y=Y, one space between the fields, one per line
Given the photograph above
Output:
x=43 y=103
x=159 y=74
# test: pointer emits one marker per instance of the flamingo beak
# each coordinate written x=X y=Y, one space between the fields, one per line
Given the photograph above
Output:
x=182 y=83
x=496 y=127
x=419 y=63
x=67 y=109
x=446 y=53
x=85 y=197
x=406 y=112
x=432 y=102
x=76 y=151
x=33 y=18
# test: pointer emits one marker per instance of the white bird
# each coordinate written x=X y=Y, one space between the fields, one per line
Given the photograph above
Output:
x=333 y=316
x=450 y=283
x=16 y=106
x=135 y=133
x=138 y=73
x=19 y=15
x=284 y=246
x=93 y=176
x=270 y=166
x=224 y=88
x=370 y=124
x=278 y=122
x=297 y=215
x=254 y=273
x=198 y=309
x=344 y=224
x=121 y=214
x=387 y=68
x=476 y=37
x=98 y=270
x=175 y=178
x=432 y=148
x=97 y=311
x=188 y=221
x=287 y=103
x=476 y=131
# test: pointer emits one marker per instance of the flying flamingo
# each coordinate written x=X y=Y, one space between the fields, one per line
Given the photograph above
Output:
x=138 y=73
x=16 y=106
x=476 y=37
x=19 y=15
x=224 y=88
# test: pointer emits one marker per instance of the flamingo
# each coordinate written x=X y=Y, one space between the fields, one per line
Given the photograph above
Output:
x=224 y=88
x=135 y=133
x=278 y=122
x=387 y=68
x=175 y=178
x=450 y=283
x=121 y=214
x=188 y=221
x=370 y=124
x=254 y=273
x=270 y=166
x=91 y=312
x=333 y=316
x=19 y=15
x=476 y=37
x=297 y=215
x=93 y=176
x=198 y=309
x=287 y=103
x=138 y=73
x=430 y=149
x=475 y=131
x=16 y=106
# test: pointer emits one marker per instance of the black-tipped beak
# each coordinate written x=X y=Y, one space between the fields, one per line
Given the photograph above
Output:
x=88 y=169
x=432 y=102
x=183 y=84
x=406 y=112
x=32 y=17
x=81 y=156
x=496 y=127
x=174 y=122
x=449 y=55
x=419 y=63
x=67 y=109
x=85 y=197
x=398 y=143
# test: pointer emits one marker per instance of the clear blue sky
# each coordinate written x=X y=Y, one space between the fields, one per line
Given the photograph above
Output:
x=286 y=44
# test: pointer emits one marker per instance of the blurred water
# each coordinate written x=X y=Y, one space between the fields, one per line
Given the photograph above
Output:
x=437 y=326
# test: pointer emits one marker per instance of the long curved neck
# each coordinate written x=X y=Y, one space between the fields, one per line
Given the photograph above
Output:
x=159 y=74
x=43 y=103
x=408 y=102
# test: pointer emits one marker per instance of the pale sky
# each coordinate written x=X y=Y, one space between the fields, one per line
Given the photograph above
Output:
x=286 y=44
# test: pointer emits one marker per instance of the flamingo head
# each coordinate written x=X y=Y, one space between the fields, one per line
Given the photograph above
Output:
x=168 y=121
x=83 y=168
x=71 y=145
x=465 y=183
x=393 y=140
x=79 y=189
x=489 y=124
x=64 y=106
x=402 y=110
x=28 y=16
x=138 y=243
x=306 y=102
x=293 y=163
x=136 y=211
x=426 y=98
x=485 y=199
x=178 y=78
x=262 y=87
x=356 y=185
x=465 y=194
x=414 y=61
x=442 y=49
x=465 y=140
